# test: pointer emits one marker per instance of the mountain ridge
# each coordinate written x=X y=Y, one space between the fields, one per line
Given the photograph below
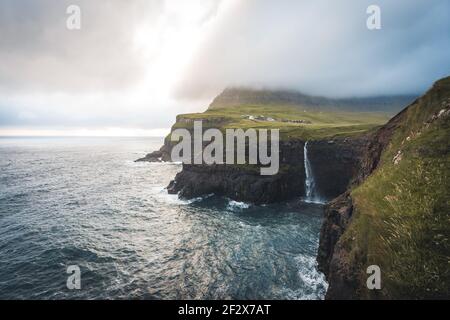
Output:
x=233 y=96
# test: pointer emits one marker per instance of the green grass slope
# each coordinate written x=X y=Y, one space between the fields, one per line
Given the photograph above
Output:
x=401 y=219
x=314 y=125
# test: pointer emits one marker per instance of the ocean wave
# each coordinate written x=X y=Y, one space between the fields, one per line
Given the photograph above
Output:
x=313 y=279
x=198 y=199
x=315 y=201
x=237 y=205
x=161 y=192
x=132 y=163
x=114 y=218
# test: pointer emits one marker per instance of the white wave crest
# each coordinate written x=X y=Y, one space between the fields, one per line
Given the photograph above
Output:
x=311 y=277
x=237 y=205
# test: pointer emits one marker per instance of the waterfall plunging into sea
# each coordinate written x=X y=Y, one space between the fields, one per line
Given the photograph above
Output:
x=310 y=185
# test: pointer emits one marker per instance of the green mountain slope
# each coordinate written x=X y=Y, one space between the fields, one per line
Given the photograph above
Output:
x=401 y=212
x=297 y=115
x=232 y=97
x=292 y=122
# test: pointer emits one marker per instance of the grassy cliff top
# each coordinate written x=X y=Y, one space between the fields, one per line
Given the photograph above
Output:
x=401 y=212
x=293 y=122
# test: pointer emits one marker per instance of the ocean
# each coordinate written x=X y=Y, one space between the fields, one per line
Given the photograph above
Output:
x=85 y=202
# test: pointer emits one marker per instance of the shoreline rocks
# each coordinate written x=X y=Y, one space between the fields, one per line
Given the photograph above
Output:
x=161 y=155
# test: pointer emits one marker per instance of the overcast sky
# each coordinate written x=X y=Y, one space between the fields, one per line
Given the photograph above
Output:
x=135 y=64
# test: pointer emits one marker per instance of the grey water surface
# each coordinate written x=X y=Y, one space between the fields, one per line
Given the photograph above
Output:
x=85 y=202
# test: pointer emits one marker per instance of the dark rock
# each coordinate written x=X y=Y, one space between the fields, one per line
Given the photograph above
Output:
x=335 y=165
x=155 y=156
x=330 y=255
x=334 y=259
x=163 y=154
x=237 y=183
x=337 y=215
x=171 y=189
x=244 y=183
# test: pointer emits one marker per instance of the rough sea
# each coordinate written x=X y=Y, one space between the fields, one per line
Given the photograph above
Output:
x=85 y=202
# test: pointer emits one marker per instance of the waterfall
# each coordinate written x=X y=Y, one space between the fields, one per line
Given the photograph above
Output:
x=310 y=191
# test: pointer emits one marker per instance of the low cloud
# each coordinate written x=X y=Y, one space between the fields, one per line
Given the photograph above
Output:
x=138 y=63
x=323 y=48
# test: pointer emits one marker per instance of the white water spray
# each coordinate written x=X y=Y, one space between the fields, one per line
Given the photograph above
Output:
x=310 y=185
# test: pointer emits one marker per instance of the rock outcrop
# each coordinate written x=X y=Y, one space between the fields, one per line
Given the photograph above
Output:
x=332 y=256
x=237 y=183
x=163 y=154
x=334 y=165
x=244 y=182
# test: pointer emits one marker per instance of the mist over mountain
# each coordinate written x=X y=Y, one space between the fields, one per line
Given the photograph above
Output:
x=234 y=96
x=323 y=48
x=135 y=66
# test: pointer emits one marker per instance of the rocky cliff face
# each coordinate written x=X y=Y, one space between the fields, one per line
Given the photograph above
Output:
x=337 y=216
x=163 y=154
x=395 y=207
x=244 y=182
x=332 y=256
x=236 y=183
x=334 y=164
x=338 y=213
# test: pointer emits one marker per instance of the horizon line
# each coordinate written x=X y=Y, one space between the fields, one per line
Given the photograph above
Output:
x=83 y=132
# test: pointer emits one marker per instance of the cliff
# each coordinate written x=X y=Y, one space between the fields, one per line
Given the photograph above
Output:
x=335 y=161
x=299 y=116
x=163 y=154
x=244 y=182
x=389 y=181
x=336 y=140
x=396 y=213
